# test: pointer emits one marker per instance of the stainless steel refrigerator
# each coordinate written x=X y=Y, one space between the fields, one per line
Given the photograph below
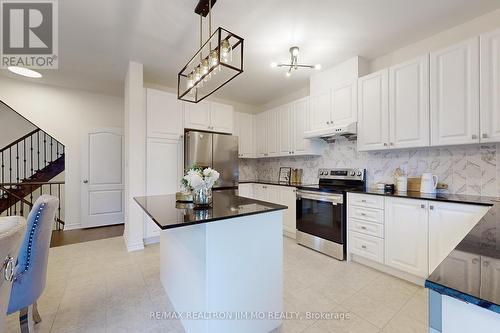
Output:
x=218 y=151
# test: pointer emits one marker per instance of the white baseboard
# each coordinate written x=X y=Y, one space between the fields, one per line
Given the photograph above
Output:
x=151 y=240
x=289 y=234
x=389 y=270
x=72 y=226
x=135 y=247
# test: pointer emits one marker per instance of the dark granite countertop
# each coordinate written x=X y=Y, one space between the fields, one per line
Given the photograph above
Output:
x=168 y=214
x=480 y=250
x=274 y=182
x=456 y=198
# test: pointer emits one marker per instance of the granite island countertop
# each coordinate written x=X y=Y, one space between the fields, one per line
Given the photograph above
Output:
x=277 y=183
x=168 y=214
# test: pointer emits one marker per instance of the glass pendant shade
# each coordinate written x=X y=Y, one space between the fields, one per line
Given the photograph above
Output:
x=222 y=53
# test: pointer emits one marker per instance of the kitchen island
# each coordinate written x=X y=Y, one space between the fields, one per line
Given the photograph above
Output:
x=222 y=267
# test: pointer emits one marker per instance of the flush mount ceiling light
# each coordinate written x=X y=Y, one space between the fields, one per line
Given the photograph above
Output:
x=26 y=72
x=218 y=61
x=294 y=65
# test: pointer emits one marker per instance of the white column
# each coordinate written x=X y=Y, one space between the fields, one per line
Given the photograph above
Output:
x=135 y=155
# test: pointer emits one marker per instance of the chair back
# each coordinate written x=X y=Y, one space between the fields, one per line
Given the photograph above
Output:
x=12 y=230
x=30 y=272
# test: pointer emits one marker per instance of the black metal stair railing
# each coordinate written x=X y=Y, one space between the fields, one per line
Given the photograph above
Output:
x=27 y=166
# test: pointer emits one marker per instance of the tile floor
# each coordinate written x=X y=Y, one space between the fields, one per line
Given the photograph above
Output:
x=92 y=288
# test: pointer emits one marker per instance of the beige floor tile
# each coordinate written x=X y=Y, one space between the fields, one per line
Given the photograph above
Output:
x=404 y=324
x=342 y=321
x=375 y=312
x=417 y=307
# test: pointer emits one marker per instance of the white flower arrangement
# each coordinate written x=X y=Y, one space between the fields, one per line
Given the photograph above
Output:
x=197 y=178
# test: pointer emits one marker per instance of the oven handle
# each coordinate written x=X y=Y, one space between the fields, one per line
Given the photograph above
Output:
x=317 y=198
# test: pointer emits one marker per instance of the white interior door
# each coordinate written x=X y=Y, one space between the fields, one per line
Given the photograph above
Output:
x=102 y=178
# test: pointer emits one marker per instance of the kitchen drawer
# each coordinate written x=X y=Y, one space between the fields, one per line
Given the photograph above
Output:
x=366 y=214
x=366 y=246
x=367 y=228
x=366 y=200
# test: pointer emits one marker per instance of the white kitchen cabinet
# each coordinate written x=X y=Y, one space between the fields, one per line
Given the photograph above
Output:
x=373 y=111
x=260 y=192
x=454 y=94
x=490 y=275
x=409 y=104
x=344 y=103
x=321 y=110
x=272 y=130
x=221 y=117
x=300 y=124
x=406 y=233
x=244 y=129
x=490 y=87
x=246 y=190
x=164 y=115
x=208 y=116
x=261 y=134
x=449 y=223
x=164 y=169
x=287 y=197
x=462 y=269
x=285 y=130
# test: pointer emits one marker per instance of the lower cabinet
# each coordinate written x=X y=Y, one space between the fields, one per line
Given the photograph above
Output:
x=406 y=232
x=283 y=195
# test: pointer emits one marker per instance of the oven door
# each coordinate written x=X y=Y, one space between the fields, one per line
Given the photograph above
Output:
x=321 y=216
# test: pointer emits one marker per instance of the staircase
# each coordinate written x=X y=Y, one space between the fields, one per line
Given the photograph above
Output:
x=27 y=167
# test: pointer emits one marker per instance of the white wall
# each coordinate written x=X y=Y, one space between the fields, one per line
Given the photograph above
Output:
x=472 y=28
x=66 y=114
x=12 y=126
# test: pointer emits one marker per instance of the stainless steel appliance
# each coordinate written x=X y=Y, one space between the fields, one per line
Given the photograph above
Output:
x=218 y=151
x=321 y=210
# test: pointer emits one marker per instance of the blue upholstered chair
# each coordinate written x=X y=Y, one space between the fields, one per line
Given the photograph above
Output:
x=12 y=230
x=31 y=268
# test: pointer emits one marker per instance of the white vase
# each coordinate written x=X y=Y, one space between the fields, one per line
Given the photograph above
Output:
x=202 y=197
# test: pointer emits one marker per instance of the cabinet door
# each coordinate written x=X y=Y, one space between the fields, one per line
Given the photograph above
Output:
x=164 y=115
x=449 y=223
x=490 y=277
x=461 y=270
x=345 y=103
x=261 y=133
x=285 y=128
x=197 y=116
x=163 y=172
x=221 y=118
x=454 y=94
x=260 y=192
x=273 y=194
x=272 y=132
x=321 y=111
x=300 y=124
x=409 y=104
x=246 y=190
x=406 y=232
x=244 y=129
x=288 y=198
x=373 y=111
x=490 y=87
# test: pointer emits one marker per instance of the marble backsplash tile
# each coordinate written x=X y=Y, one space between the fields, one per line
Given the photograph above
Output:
x=468 y=169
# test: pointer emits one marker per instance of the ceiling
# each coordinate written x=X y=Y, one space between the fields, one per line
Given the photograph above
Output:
x=97 y=38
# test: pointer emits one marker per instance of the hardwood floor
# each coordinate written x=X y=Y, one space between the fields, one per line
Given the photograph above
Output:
x=61 y=237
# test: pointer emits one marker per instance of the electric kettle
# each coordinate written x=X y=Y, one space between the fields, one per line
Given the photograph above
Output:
x=428 y=183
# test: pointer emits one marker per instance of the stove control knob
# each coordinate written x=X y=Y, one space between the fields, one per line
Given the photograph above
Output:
x=359 y=173
x=353 y=173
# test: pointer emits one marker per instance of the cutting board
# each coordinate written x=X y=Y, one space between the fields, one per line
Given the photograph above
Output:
x=414 y=184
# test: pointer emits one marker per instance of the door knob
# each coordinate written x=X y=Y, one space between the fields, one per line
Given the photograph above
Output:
x=85 y=181
x=485 y=135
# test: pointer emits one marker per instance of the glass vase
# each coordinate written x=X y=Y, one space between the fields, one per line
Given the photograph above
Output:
x=202 y=197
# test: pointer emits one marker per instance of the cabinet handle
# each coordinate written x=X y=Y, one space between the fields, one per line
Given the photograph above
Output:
x=385 y=144
x=363 y=246
x=362 y=214
x=363 y=200
x=392 y=143
x=363 y=227
x=422 y=206
x=475 y=261
x=431 y=207
x=486 y=263
x=474 y=136
x=484 y=135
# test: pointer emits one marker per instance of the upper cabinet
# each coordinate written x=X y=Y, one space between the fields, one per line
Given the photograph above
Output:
x=164 y=115
x=261 y=134
x=373 y=111
x=409 y=104
x=320 y=110
x=490 y=87
x=209 y=116
x=244 y=129
x=454 y=94
x=344 y=103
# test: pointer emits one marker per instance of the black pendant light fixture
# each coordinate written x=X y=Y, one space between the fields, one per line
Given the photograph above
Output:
x=218 y=60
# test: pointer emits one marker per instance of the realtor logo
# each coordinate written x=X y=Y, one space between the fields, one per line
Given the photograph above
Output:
x=29 y=33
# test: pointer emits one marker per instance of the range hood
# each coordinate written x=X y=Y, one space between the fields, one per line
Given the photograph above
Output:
x=330 y=134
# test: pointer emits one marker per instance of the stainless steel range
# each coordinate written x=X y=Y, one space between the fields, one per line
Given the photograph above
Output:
x=321 y=210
